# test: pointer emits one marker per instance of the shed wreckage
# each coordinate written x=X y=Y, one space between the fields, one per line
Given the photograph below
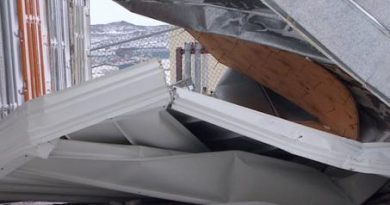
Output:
x=302 y=117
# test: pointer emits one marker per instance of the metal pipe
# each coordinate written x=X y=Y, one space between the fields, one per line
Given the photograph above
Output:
x=197 y=69
x=179 y=64
x=27 y=85
x=35 y=47
x=40 y=47
x=10 y=75
x=3 y=87
x=12 y=54
x=87 y=40
x=187 y=61
x=52 y=43
x=30 y=46
x=67 y=31
x=205 y=73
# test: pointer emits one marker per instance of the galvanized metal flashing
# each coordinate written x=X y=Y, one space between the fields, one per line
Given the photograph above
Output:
x=347 y=34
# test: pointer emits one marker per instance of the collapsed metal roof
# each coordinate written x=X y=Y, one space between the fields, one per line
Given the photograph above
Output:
x=129 y=136
x=280 y=25
x=356 y=35
x=49 y=143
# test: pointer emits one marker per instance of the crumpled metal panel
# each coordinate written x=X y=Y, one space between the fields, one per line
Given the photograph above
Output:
x=22 y=186
x=26 y=186
x=252 y=21
x=204 y=178
x=153 y=127
x=47 y=118
x=373 y=158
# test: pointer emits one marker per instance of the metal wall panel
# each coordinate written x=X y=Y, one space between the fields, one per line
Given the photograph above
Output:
x=68 y=28
x=30 y=37
x=59 y=57
x=11 y=78
x=79 y=40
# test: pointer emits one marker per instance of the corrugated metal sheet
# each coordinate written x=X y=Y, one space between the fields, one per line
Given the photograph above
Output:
x=79 y=40
x=11 y=78
x=45 y=48
x=58 y=35
x=69 y=43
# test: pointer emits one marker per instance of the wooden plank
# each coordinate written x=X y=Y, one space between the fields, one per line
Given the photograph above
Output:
x=292 y=76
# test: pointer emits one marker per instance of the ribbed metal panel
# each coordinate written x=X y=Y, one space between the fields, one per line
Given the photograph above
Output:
x=11 y=90
x=59 y=56
x=68 y=29
x=79 y=40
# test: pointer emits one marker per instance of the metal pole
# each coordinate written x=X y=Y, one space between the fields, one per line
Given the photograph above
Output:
x=3 y=87
x=187 y=61
x=179 y=64
x=205 y=73
x=198 y=71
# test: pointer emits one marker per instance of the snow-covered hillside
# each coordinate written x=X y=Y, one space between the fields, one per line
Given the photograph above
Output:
x=125 y=54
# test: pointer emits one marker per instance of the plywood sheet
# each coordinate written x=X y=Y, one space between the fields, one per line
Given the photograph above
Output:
x=294 y=77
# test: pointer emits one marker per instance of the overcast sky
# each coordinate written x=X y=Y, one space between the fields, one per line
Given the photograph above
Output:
x=107 y=11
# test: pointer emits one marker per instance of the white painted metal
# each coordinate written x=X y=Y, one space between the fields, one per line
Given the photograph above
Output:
x=10 y=46
x=68 y=24
x=79 y=23
x=157 y=128
x=59 y=47
x=47 y=118
x=24 y=186
x=204 y=178
x=153 y=127
x=294 y=138
x=17 y=184
x=71 y=149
